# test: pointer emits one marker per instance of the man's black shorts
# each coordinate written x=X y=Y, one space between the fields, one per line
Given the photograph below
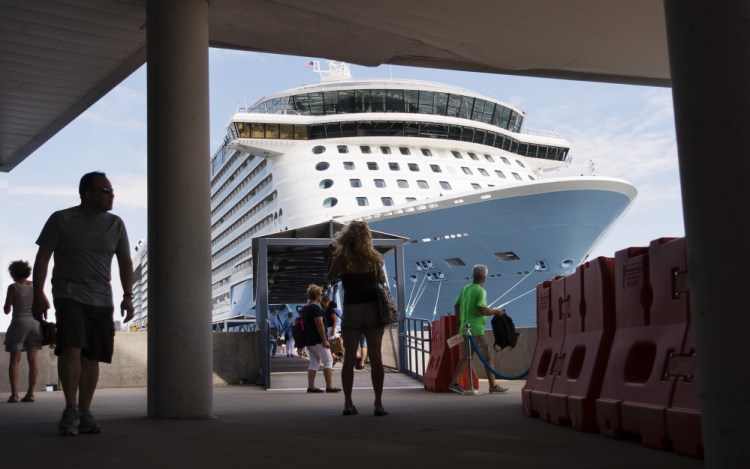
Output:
x=90 y=328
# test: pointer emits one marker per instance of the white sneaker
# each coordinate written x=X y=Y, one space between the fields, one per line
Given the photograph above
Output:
x=68 y=425
x=497 y=389
x=456 y=388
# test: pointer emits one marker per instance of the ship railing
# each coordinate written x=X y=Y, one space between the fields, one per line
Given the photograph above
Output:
x=417 y=345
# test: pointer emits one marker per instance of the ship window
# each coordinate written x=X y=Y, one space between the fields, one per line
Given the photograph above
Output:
x=394 y=166
x=365 y=149
x=466 y=170
x=489 y=158
x=371 y=165
x=286 y=131
x=475 y=185
x=500 y=174
x=435 y=168
x=387 y=201
x=318 y=149
x=272 y=131
x=385 y=150
x=325 y=183
x=404 y=151
x=505 y=160
x=445 y=185
x=483 y=172
x=402 y=183
x=379 y=183
x=532 y=177
x=343 y=149
x=454 y=262
x=349 y=165
x=515 y=175
x=457 y=154
x=355 y=183
x=330 y=202
x=322 y=166
x=300 y=132
x=520 y=163
x=473 y=156
x=426 y=152
x=423 y=184
x=411 y=199
x=362 y=201
x=506 y=256
x=413 y=167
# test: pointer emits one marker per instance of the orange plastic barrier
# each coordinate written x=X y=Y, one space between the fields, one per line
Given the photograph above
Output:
x=589 y=329
x=651 y=329
x=443 y=359
x=552 y=307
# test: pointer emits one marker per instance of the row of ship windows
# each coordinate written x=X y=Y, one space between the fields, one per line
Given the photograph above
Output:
x=393 y=166
x=366 y=150
x=322 y=103
x=402 y=183
x=458 y=133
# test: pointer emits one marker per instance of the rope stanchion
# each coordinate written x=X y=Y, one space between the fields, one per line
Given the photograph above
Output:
x=494 y=372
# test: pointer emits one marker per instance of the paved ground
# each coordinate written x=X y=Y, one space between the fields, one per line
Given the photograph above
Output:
x=286 y=427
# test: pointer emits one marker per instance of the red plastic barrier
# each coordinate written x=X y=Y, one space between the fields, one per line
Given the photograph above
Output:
x=684 y=415
x=637 y=390
x=552 y=307
x=443 y=359
x=589 y=330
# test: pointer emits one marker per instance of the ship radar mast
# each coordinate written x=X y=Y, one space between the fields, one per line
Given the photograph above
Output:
x=336 y=70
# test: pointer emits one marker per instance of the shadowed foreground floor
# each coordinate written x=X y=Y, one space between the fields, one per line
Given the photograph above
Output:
x=286 y=427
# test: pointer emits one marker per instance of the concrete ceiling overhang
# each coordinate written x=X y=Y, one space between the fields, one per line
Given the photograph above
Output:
x=60 y=57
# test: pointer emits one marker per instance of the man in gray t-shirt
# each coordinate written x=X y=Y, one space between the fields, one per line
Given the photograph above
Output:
x=83 y=240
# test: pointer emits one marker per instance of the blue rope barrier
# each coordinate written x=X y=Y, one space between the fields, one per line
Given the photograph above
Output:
x=494 y=372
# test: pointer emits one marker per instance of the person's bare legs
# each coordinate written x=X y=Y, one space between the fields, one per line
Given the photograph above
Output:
x=311 y=378
x=328 y=375
x=69 y=371
x=87 y=383
x=351 y=344
x=460 y=369
x=13 y=366
x=31 y=357
x=374 y=339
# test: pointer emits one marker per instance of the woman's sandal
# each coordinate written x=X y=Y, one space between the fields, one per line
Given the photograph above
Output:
x=352 y=411
x=28 y=398
x=380 y=413
x=13 y=399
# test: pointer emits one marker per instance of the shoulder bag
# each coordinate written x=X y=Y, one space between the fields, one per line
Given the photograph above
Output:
x=388 y=310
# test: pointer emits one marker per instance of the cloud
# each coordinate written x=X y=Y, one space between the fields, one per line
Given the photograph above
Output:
x=123 y=109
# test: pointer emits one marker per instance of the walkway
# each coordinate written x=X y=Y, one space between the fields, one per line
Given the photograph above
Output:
x=290 y=428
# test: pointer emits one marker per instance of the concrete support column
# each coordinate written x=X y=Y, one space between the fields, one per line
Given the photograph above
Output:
x=709 y=53
x=179 y=229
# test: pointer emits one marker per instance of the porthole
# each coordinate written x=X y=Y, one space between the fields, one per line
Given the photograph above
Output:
x=322 y=166
x=520 y=164
x=325 y=183
x=317 y=150
x=330 y=202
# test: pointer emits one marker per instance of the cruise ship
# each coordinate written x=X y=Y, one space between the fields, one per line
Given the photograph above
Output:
x=451 y=170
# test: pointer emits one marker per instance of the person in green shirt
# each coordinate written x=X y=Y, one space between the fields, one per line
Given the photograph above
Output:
x=471 y=309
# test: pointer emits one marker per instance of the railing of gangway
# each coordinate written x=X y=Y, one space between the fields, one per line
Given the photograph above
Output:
x=416 y=342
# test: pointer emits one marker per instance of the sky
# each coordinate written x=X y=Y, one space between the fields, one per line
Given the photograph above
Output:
x=627 y=131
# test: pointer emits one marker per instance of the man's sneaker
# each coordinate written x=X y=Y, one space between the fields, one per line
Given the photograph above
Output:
x=456 y=388
x=68 y=422
x=87 y=424
x=497 y=389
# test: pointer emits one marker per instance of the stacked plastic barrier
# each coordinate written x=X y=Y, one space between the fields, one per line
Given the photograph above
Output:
x=589 y=328
x=443 y=359
x=651 y=351
x=552 y=306
x=616 y=351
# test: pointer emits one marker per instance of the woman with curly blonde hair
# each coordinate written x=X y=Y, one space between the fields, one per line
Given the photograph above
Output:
x=356 y=264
